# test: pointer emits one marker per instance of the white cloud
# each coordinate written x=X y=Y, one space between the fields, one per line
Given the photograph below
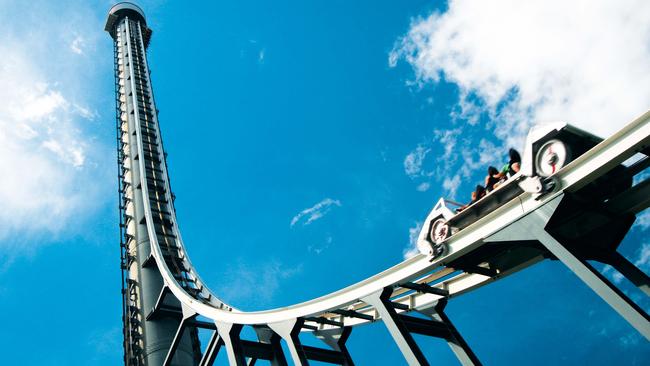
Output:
x=319 y=248
x=32 y=101
x=451 y=185
x=413 y=161
x=315 y=212
x=643 y=220
x=77 y=45
x=41 y=157
x=261 y=55
x=481 y=156
x=466 y=110
x=412 y=249
x=521 y=62
x=84 y=112
x=641 y=260
x=423 y=187
x=613 y=274
x=643 y=257
x=71 y=155
x=630 y=340
x=53 y=168
x=448 y=139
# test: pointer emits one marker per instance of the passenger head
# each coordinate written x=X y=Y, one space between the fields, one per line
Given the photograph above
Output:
x=514 y=156
x=492 y=171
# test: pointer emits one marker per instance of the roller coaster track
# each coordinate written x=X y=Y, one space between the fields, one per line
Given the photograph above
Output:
x=420 y=284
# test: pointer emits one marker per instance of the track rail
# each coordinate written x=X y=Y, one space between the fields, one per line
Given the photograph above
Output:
x=622 y=145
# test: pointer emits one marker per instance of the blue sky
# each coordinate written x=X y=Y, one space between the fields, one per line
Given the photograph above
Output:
x=307 y=142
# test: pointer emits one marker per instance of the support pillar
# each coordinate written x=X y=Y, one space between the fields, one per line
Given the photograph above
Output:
x=336 y=338
x=230 y=335
x=211 y=350
x=381 y=302
x=289 y=331
x=267 y=336
x=532 y=227
x=455 y=341
x=188 y=315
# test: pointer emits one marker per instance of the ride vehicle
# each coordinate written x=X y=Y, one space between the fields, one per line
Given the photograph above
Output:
x=548 y=149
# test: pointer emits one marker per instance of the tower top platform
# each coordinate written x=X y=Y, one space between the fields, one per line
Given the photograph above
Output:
x=121 y=10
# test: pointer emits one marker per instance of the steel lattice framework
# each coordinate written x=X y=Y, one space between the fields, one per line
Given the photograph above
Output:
x=141 y=161
x=580 y=213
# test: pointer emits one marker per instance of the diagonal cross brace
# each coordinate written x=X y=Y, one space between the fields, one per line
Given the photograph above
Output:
x=230 y=335
x=455 y=341
x=336 y=339
x=532 y=227
x=188 y=316
x=410 y=350
x=211 y=350
x=267 y=336
x=289 y=331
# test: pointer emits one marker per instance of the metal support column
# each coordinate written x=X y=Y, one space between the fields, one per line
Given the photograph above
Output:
x=211 y=350
x=230 y=335
x=455 y=341
x=402 y=337
x=267 y=336
x=532 y=227
x=188 y=316
x=289 y=331
x=631 y=272
x=336 y=339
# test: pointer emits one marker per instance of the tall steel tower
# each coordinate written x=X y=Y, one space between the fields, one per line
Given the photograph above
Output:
x=150 y=319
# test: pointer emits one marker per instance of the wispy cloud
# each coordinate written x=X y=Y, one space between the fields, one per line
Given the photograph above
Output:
x=643 y=257
x=413 y=161
x=261 y=55
x=451 y=185
x=52 y=164
x=253 y=50
x=257 y=284
x=411 y=249
x=449 y=140
x=518 y=63
x=423 y=187
x=641 y=260
x=643 y=220
x=610 y=272
x=42 y=151
x=320 y=247
x=106 y=341
x=77 y=45
x=317 y=211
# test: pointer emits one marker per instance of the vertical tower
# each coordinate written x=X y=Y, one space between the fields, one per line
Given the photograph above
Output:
x=150 y=319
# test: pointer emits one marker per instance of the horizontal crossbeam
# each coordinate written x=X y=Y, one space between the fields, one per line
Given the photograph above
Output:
x=420 y=287
x=426 y=327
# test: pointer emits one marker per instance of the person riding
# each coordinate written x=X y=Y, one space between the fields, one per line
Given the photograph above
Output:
x=477 y=194
x=513 y=165
x=493 y=178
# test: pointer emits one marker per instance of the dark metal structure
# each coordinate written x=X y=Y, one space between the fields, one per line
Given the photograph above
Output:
x=147 y=336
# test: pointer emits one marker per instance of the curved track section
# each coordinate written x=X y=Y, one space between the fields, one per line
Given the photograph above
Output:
x=588 y=167
x=417 y=284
